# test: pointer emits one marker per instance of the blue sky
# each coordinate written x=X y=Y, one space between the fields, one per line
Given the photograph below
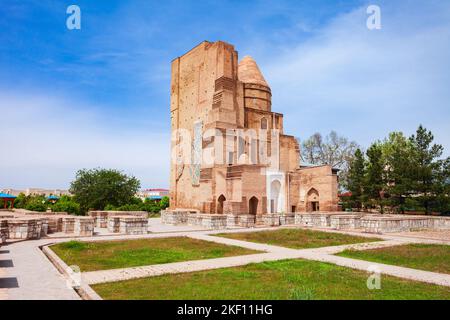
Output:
x=99 y=96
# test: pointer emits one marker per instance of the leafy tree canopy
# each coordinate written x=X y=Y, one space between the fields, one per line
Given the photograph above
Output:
x=96 y=188
x=333 y=150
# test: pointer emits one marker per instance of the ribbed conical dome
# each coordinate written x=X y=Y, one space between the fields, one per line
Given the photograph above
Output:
x=248 y=72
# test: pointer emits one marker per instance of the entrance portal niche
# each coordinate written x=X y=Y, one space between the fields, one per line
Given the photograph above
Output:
x=312 y=200
x=220 y=202
x=275 y=188
x=276 y=192
x=253 y=205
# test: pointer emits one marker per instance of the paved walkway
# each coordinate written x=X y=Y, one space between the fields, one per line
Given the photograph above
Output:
x=30 y=275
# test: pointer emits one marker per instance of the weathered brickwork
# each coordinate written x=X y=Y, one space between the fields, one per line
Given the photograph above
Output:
x=400 y=223
x=4 y=232
x=128 y=224
x=271 y=219
x=133 y=225
x=287 y=218
x=101 y=217
x=344 y=222
x=24 y=228
x=246 y=220
x=84 y=226
x=212 y=90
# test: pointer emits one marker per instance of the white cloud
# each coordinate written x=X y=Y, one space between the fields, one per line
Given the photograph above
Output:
x=365 y=83
x=46 y=138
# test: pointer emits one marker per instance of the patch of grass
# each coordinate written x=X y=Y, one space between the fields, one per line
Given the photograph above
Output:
x=429 y=257
x=287 y=279
x=297 y=238
x=91 y=256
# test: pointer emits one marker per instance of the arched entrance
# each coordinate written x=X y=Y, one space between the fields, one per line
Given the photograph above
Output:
x=275 y=188
x=253 y=205
x=312 y=200
x=220 y=202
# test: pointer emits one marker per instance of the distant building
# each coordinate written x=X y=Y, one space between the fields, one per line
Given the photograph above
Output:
x=153 y=194
x=36 y=192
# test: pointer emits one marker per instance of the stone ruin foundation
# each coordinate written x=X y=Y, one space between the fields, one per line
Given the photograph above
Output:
x=287 y=218
x=78 y=226
x=360 y=221
x=3 y=231
x=24 y=224
x=128 y=224
x=345 y=222
x=84 y=226
x=271 y=219
x=101 y=217
x=24 y=228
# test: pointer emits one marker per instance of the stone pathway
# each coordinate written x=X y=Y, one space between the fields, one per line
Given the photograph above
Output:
x=32 y=276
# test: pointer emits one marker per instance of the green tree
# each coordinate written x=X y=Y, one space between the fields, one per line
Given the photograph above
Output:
x=430 y=173
x=374 y=182
x=96 y=188
x=36 y=203
x=397 y=151
x=333 y=149
x=355 y=180
x=164 y=203
x=66 y=204
x=21 y=201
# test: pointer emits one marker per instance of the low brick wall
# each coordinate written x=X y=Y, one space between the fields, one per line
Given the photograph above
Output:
x=133 y=225
x=381 y=224
x=114 y=224
x=101 y=217
x=84 y=226
x=127 y=224
x=232 y=220
x=3 y=231
x=214 y=221
x=271 y=219
x=44 y=227
x=55 y=224
x=321 y=219
x=24 y=228
x=175 y=217
x=438 y=223
x=304 y=219
x=68 y=225
x=344 y=222
x=193 y=219
x=246 y=220
x=287 y=218
x=7 y=215
x=78 y=226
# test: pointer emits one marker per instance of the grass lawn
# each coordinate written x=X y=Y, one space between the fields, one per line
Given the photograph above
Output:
x=287 y=279
x=429 y=257
x=297 y=238
x=91 y=256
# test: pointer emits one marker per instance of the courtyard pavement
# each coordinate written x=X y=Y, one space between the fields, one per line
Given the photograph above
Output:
x=26 y=273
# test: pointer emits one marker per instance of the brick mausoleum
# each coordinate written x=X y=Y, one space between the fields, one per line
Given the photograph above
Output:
x=222 y=108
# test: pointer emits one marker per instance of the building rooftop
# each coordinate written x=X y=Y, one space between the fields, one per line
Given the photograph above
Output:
x=7 y=196
x=248 y=72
